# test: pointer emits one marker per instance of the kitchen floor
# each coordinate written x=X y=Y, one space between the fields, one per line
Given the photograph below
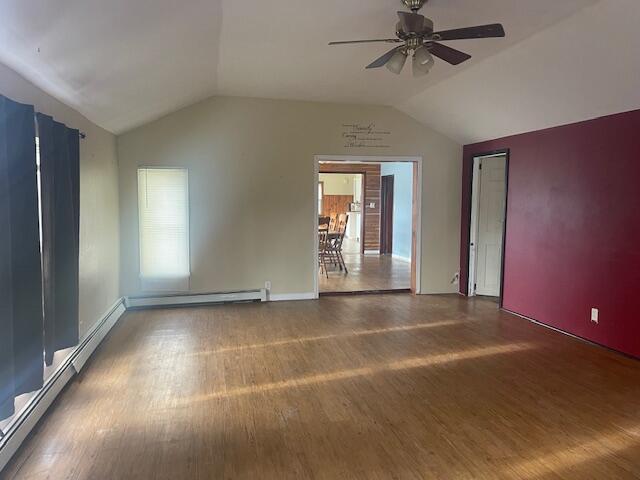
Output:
x=366 y=272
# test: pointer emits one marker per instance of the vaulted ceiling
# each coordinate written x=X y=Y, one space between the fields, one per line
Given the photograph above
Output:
x=123 y=63
x=583 y=67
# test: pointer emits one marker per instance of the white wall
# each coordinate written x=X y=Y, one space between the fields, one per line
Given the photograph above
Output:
x=99 y=222
x=402 y=206
x=252 y=188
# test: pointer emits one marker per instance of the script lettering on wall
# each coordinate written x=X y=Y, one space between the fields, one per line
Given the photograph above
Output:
x=364 y=135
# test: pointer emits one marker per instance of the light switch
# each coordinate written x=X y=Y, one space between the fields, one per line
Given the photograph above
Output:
x=594 y=315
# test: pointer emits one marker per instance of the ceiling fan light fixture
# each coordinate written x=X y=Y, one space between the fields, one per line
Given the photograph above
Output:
x=422 y=62
x=421 y=69
x=417 y=72
x=423 y=56
x=396 y=64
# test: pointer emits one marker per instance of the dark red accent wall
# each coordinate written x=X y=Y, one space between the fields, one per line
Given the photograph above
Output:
x=573 y=227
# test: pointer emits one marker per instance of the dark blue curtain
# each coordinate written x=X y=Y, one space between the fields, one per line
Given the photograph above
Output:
x=21 y=317
x=60 y=182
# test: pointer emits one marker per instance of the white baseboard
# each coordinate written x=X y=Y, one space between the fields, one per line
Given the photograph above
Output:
x=100 y=331
x=401 y=258
x=36 y=407
x=282 y=297
x=195 y=299
x=372 y=252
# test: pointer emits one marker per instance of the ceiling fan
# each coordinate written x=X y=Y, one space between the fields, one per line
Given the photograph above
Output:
x=415 y=33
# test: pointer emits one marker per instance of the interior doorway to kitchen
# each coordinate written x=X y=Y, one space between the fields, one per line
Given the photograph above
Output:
x=366 y=224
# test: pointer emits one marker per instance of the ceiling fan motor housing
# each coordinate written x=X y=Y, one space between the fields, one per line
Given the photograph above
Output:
x=425 y=31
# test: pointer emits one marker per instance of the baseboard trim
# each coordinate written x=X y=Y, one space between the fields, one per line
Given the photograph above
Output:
x=283 y=297
x=401 y=258
x=195 y=299
x=569 y=334
x=79 y=358
x=37 y=406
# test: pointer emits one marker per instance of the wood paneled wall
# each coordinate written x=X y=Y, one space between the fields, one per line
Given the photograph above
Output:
x=333 y=205
x=371 y=215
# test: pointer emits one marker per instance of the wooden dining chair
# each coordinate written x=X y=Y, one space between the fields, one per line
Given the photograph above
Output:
x=337 y=242
x=333 y=223
x=324 y=222
x=341 y=221
x=324 y=251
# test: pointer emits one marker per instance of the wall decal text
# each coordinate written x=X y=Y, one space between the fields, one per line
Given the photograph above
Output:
x=364 y=135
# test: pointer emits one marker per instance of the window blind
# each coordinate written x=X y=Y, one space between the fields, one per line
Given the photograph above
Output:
x=163 y=209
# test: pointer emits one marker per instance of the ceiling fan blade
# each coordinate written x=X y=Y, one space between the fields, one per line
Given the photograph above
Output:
x=448 y=54
x=482 y=31
x=381 y=40
x=382 y=61
x=411 y=22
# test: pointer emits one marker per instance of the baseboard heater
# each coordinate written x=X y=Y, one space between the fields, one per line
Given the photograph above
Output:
x=196 y=299
x=35 y=408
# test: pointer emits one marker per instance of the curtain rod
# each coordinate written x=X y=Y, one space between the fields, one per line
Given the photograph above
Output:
x=82 y=136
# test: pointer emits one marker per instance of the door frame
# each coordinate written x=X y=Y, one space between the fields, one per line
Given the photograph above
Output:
x=321 y=189
x=473 y=220
x=416 y=243
x=383 y=212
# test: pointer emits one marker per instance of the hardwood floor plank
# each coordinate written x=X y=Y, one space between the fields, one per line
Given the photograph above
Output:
x=382 y=386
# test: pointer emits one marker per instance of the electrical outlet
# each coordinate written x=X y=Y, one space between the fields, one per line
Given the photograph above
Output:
x=267 y=285
x=594 y=315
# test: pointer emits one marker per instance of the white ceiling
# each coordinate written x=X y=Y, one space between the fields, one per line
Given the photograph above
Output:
x=118 y=62
x=123 y=63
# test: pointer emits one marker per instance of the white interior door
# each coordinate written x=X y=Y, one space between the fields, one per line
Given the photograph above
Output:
x=490 y=225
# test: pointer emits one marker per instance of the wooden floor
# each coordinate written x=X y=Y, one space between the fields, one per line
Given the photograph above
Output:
x=370 y=387
x=366 y=272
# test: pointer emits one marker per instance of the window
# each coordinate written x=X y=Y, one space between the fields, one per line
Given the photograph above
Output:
x=163 y=210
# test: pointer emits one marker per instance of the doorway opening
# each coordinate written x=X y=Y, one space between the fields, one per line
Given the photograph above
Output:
x=367 y=224
x=488 y=225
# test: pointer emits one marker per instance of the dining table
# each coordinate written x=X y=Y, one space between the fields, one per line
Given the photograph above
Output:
x=331 y=234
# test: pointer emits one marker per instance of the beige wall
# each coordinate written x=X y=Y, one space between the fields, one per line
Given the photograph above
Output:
x=99 y=223
x=252 y=188
x=338 y=183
